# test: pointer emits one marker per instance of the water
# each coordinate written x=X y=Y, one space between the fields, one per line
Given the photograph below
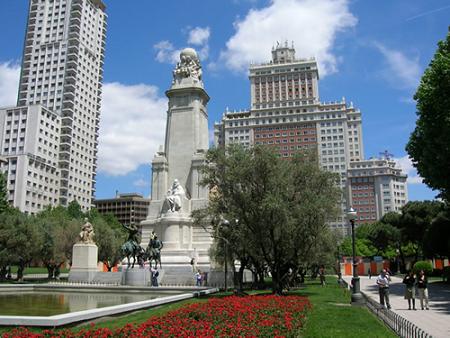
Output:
x=49 y=303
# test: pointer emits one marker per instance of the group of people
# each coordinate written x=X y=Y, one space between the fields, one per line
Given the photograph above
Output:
x=419 y=282
x=201 y=278
x=412 y=283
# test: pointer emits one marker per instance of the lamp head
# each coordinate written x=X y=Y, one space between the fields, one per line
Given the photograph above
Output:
x=351 y=214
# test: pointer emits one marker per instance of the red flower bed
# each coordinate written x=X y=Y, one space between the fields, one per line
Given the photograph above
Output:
x=252 y=316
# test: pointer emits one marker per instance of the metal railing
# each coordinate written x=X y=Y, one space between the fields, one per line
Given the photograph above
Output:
x=401 y=326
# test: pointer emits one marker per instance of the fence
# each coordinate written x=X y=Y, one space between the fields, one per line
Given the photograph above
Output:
x=401 y=326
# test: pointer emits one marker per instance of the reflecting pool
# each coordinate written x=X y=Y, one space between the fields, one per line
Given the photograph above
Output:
x=49 y=303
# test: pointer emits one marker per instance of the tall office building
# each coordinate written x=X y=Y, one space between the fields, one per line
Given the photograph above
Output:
x=376 y=187
x=129 y=208
x=50 y=139
x=286 y=113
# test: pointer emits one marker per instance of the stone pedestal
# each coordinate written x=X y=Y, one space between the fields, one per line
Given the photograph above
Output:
x=136 y=276
x=84 y=263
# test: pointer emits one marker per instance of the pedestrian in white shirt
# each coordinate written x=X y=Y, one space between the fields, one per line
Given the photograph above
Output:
x=383 y=288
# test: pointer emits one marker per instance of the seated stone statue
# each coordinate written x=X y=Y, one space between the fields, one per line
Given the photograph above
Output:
x=87 y=233
x=175 y=196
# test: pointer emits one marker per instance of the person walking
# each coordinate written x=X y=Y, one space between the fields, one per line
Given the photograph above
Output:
x=422 y=288
x=198 y=278
x=154 y=275
x=410 y=289
x=383 y=288
x=322 y=275
x=369 y=273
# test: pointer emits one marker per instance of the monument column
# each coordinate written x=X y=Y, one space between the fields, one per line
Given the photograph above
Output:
x=176 y=191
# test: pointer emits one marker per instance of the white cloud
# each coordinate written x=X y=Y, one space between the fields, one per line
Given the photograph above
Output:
x=406 y=164
x=166 y=52
x=401 y=72
x=9 y=83
x=199 y=36
x=132 y=126
x=407 y=100
x=311 y=24
x=203 y=52
x=141 y=183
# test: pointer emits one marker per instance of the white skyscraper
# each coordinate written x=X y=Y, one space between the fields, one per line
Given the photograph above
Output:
x=51 y=138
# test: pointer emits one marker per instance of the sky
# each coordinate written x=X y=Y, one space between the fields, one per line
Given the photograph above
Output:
x=373 y=53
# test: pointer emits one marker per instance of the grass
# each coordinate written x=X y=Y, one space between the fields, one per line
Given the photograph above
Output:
x=331 y=316
x=35 y=270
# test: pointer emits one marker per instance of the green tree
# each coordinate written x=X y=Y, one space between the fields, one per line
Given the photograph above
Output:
x=4 y=205
x=437 y=236
x=60 y=232
x=416 y=218
x=20 y=240
x=363 y=247
x=281 y=207
x=74 y=210
x=109 y=237
x=428 y=145
x=384 y=237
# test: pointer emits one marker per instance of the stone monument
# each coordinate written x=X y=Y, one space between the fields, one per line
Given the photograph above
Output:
x=175 y=174
x=84 y=256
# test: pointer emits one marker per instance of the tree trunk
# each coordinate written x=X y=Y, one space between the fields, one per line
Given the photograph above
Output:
x=241 y=277
x=20 y=269
x=57 y=272
x=3 y=272
x=402 y=257
x=261 y=283
x=277 y=285
x=50 y=271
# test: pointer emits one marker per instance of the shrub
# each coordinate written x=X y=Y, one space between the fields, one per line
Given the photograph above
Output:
x=436 y=273
x=446 y=274
x=423 y=265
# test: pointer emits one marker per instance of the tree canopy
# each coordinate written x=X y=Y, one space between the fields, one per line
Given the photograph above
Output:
x=4 y=205
x=49 y=236
x=276 y=210
x=429 y=144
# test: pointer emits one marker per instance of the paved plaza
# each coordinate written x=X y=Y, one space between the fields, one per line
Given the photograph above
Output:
x=435 y=321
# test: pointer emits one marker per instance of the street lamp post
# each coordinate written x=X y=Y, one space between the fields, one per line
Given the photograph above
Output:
x=225 y=244
x=226 y=266
x=357 y=298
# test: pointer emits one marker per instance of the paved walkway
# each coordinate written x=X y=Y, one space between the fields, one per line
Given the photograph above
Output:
x=435 y=321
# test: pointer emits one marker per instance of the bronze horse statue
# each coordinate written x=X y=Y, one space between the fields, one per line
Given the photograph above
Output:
x=153 y=251
x=134 y=251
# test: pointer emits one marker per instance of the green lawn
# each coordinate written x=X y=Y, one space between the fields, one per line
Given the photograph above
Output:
x=331 y=316
x=34 y=270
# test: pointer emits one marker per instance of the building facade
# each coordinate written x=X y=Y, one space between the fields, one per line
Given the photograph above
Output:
x=376 y=187
x=62 y=74
x=286 y=113
x=129 y=208
x=30 y=144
